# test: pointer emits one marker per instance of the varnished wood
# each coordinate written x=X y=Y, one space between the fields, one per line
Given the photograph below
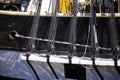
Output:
x=16 y=13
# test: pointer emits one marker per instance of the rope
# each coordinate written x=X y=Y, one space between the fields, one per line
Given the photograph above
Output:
x=86 y=49
x=58 y=42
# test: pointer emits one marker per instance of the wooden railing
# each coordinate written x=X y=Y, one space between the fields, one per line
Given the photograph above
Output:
x=17 y=13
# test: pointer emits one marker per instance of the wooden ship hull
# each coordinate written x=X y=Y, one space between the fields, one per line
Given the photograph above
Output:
x=43 y=63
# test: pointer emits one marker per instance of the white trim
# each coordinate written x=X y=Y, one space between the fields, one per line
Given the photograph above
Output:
x=75 y=59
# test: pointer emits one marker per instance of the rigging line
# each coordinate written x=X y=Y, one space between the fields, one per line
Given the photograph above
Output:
x=113 y=35
x=94 y=41
x=72 y=37
x=34 y=28
x=116 y=64
x=113 y=30
x=94 y=66
x=100 y=6
x=103 y=8
x=85 y=51
x=49 y=6
x=53 y=29
x=33 y=33
x=54 y=7
x=35 y=73
x=52 y=34
x=48 y=61
x=58 y=42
